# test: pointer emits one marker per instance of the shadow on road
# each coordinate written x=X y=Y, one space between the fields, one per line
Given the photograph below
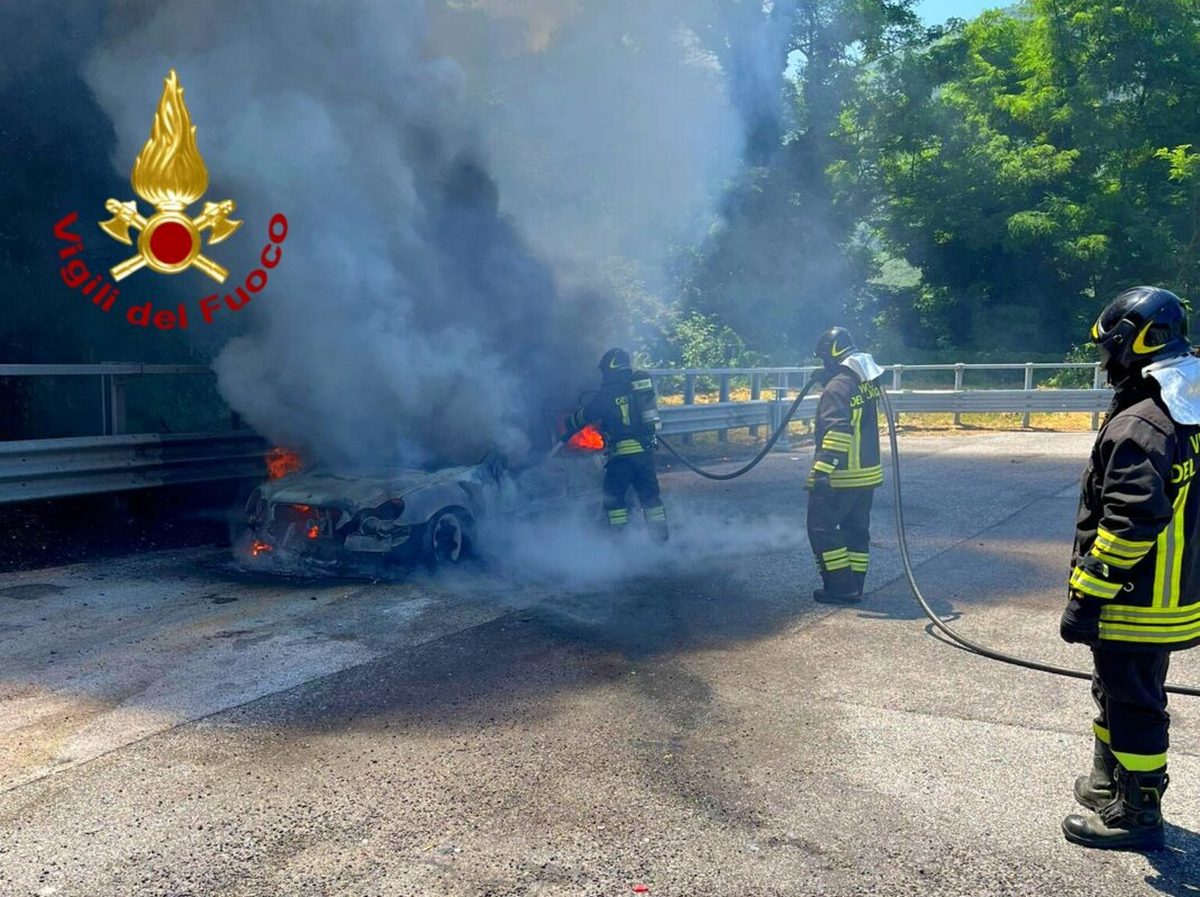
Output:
x=1177 y=869
x=142 y=644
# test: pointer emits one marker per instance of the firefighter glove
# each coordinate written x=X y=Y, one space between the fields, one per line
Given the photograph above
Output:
x=1080 y=623
x=819 y=482
x=819 y=377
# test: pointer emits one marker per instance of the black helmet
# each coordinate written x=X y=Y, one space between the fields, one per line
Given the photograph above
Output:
x=834 y=345
x=1141 y=325
x=614 y=360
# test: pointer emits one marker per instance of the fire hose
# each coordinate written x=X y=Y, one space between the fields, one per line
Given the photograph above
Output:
x=905 y=554
x=754 y=462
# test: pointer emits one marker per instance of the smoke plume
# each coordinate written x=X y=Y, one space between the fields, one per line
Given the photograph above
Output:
x=446 y=168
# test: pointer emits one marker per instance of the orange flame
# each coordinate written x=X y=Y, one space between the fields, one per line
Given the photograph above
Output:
x=259 y=548
x=314 y=530
x=587 y=440
x=169 y=172
x=281 y=462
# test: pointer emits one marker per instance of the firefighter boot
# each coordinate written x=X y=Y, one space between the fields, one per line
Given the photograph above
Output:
x=656 y=523
x=1096 y=790
x=1132 y=820
x=841 y=587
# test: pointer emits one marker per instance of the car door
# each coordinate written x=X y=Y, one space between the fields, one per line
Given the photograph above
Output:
x=539 y=488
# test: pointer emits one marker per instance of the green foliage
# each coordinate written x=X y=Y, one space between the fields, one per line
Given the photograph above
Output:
x=704 y=342
x=1031 y=165
x=974 y=191
x=788 y=260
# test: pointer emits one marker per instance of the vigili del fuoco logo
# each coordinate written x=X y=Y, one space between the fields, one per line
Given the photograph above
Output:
x=170 y=175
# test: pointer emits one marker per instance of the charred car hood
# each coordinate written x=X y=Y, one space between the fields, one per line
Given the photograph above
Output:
x=356 y=490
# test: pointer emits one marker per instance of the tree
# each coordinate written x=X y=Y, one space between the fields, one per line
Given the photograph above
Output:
x=1031 y=165
x=785 y=263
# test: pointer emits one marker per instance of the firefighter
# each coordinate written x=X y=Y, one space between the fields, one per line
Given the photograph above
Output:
x=846 y=468
x=626 y=411
x=1134 y=592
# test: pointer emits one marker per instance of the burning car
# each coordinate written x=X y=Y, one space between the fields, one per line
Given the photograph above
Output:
x=376 y=522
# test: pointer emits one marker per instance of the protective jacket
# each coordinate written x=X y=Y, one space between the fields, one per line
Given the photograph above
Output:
x=1138 y=530
x=847 y=426
x=616 y=411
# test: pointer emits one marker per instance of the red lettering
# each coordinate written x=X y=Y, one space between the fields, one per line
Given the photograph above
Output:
x=139 y=315
x=233 y=304
x=74 y=273
x=260 y=275
x=182 y=316
x=60 y=229
x=165 y=319
x=68 y=251
x=272 y=262
x=207 y=306
x=100 y=295
x=108 y=303
x=278 y=220
x=95 y=282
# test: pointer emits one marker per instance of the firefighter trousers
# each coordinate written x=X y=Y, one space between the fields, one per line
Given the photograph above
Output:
x=839 y=530
x=1131 y=699
x=637 y=472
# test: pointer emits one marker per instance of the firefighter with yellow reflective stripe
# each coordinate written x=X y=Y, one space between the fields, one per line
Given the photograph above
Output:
x=846 y=469
x=626 y=411
x=1134 y=593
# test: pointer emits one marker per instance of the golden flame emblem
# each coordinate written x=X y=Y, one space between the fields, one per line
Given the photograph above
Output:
x=170 y=174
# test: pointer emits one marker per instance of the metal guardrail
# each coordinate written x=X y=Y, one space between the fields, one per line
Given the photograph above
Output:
x=55 y=468
x=720 y=417
x=115 y=461
x=958 y=400
x=112 y=379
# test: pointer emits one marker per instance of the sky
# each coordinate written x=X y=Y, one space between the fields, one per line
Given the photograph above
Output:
x=935 y=11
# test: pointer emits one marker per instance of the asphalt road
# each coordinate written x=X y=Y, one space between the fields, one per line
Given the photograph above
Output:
x=574 y=718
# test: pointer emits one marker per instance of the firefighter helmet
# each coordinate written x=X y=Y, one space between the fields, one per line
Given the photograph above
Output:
x=834 y=345
x=1142 y=325
x=615 y=360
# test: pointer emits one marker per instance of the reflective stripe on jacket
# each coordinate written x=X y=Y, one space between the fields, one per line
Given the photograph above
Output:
x=1139 y=517
x=847 y=432
x=615 y=411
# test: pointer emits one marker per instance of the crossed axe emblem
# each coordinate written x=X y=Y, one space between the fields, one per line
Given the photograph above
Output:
x=169 y=241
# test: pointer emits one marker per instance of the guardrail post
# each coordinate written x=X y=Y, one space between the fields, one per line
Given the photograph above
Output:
x=1025 y=420
x=689 y=398
x=1097 y=383
x=723 y=435
x=116 y=399
x=112 y=405
x=105 y=410
x=755 y=396
x=897 y=375
x=785 y=382
x=778 y=412
x=959 y=369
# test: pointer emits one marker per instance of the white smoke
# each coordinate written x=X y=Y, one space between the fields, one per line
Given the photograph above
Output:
x=408 y=320
x=573 y=550
x=609 y=124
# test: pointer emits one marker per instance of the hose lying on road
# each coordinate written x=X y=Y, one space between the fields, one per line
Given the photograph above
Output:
x=766 y=449
x=905 y=555
x=974 y=647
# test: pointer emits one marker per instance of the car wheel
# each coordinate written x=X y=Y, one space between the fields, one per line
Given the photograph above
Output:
x=447 y=538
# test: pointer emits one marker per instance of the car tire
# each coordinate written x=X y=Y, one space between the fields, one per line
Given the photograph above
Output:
x=447 y=538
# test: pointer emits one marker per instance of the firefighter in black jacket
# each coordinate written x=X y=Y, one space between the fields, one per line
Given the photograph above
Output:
x=626 y=411
x=846 y=469
x=1135 y=579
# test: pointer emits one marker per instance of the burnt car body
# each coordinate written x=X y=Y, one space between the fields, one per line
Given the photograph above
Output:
x=380 y=522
